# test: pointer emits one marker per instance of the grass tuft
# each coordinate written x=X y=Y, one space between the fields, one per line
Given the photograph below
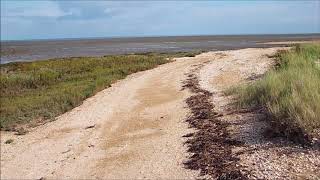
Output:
x=290 y=92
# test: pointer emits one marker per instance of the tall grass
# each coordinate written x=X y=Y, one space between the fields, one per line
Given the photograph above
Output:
x=290 y=92
x=39 y=91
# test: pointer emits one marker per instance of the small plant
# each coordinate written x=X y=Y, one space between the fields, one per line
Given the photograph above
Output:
x=9 y=141
x=21 y=131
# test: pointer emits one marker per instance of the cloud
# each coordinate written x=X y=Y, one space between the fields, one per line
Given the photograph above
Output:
x=71 y=19
x=84 y=10
x=24 y=9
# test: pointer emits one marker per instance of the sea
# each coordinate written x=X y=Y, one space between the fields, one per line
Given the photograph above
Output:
x=35 y=50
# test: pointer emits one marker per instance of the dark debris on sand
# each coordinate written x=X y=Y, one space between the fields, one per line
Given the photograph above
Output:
x=211 y=145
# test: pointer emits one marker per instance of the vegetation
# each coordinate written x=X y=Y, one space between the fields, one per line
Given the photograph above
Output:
x=9 y=141
x=35 y=92
x=290 y=93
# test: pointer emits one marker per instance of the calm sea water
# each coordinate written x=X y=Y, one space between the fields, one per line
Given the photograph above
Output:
x=13 y=51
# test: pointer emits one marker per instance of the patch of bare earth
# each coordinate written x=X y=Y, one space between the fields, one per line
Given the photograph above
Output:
x=257 y=156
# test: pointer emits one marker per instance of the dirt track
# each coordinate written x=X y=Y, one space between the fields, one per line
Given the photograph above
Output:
x=132 y=130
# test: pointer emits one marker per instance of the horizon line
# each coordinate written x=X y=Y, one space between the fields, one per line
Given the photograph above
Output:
x=156 y=36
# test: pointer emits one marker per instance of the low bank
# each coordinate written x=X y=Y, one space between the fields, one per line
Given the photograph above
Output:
x=33 y=93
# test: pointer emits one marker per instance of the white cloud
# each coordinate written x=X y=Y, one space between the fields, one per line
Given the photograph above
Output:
x=25 y=9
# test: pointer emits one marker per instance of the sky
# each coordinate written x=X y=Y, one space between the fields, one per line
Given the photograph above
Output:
x=42 y=19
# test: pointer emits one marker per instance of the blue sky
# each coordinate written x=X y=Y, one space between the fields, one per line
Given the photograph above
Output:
x=74 y=19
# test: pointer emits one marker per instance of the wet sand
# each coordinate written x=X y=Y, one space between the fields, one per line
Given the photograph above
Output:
x=13 y=51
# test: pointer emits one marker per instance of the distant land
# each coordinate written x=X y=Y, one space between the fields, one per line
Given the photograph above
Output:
x=31 y=50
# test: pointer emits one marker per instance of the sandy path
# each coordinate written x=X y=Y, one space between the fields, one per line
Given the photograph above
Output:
x=137 y=133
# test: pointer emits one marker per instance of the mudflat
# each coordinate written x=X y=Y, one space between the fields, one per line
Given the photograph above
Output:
x=12 y=51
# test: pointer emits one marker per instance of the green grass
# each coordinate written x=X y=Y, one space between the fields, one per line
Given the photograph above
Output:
x=290 y=92
x=39 y=91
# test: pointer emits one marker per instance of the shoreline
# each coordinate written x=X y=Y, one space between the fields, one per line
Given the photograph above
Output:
x=48 y=49
x=173 y=36
x=290 y=42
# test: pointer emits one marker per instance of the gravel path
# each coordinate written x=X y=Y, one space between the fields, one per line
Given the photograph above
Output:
x=135 y=129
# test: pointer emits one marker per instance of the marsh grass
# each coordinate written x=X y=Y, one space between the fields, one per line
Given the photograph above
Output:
x=290 y=92
x=35 y=92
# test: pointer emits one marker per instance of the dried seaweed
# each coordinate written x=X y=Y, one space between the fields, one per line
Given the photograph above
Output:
x=211 y=145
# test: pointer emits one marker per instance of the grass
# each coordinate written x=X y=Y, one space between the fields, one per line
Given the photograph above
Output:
x=290 y=93
x=35 y=92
